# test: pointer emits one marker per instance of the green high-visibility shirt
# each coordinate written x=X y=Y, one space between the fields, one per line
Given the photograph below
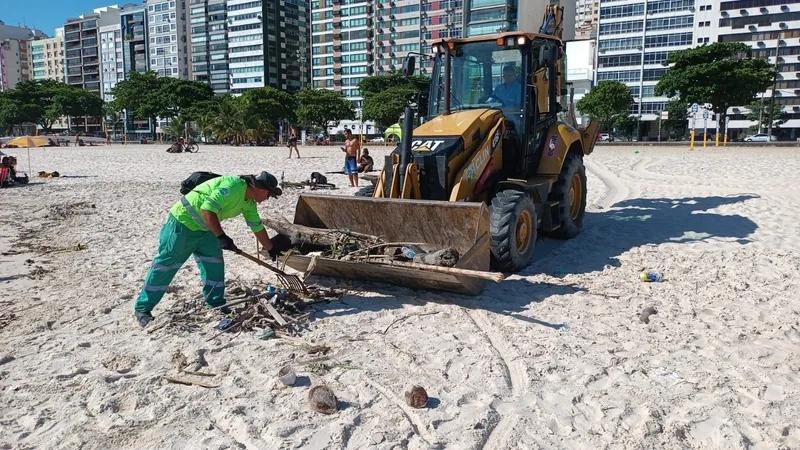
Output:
x=223 y=196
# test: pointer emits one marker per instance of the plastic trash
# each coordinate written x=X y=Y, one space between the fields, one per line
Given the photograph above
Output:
x=651 y=277
x=265 y=334
x=408 y=253
x=224 y=324
x=287 y=375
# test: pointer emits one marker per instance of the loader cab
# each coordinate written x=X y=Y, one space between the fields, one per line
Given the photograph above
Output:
x=509 y=72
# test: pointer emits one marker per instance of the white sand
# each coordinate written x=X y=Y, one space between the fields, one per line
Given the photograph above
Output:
x=554 y=357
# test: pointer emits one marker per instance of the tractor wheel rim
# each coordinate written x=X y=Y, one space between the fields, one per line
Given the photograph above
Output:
x=575 y=196
x=523 y=231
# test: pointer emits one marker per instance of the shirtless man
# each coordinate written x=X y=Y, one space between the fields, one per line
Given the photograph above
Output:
x=352 y=147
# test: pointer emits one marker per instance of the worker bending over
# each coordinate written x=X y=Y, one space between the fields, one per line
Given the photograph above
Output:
x=193 y=228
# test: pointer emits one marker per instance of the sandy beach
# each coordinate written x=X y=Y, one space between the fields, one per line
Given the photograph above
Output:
x=555 y=357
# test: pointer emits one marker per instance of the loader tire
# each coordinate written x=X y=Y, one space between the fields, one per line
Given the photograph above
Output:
x=513 y=223
x=366 y=191
x=570 y=191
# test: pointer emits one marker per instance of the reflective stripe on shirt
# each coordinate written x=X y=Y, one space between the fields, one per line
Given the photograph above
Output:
x=190 y=209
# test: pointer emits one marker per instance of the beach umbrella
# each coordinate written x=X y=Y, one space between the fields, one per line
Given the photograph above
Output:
x=28 y=141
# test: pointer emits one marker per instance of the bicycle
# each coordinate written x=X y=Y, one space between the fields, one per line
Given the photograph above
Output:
x=191 y=147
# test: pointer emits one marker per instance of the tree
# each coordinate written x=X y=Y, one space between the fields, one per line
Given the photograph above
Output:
x=270 y=105
x=386 y=96
x=759 y=112
x=178 y=95
x=320 y=107
x=45 y=101
x=9 y=114
x=140 y=95
x=678 y=114
x=723 y=74
x=607 y=103
x=626 y=125
x=235 y=124
x=386 y=107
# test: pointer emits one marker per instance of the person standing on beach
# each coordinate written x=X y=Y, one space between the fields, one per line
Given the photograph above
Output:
x=293 y=143
x=352 y=149
x=193 y=228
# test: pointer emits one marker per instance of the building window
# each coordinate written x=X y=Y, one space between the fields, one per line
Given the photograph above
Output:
x=669 y=23
x=668 y=40
x=610 y=12
x=623 y=76
x=621 y=27
x=620 y=44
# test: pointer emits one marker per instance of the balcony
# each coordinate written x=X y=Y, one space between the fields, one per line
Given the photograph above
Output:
x=75 y=62
x=91 y=61
x=75 y=79
x=90 y=51
x=74 y=53
x=89 y=25
x=91 y=78
x=91 y=70
x=89 y=42
x=72 y=27
x=74 y=71
x=92 y=86
x=73 y=46
x=68 y=37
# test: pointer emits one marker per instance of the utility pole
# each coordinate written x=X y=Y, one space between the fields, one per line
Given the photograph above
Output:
x=774 y=86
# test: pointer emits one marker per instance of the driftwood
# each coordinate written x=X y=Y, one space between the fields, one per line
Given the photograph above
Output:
x=491 y=276
x=301 y=234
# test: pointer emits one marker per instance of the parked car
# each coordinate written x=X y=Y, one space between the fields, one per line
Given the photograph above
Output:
x=760 y=137
x=378 y=140
x=605 y=137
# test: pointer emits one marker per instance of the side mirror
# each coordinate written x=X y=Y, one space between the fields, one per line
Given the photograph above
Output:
x=409 y=64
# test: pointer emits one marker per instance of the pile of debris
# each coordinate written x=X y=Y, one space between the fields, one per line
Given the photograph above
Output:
x=347 y=245
x=268 y=311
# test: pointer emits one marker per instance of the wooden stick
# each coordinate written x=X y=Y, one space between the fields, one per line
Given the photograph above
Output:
x=190 y=383
x=199 y=374
x=491 y=276
x=276 y=315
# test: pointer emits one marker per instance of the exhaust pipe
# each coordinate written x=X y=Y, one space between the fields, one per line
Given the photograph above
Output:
x=405 y=155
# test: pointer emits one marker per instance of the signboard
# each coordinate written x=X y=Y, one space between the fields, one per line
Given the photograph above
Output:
x=705 y=114
x=695 y=107
x=664 y=115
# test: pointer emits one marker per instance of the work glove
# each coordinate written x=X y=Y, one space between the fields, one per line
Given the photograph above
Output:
x=226 y=243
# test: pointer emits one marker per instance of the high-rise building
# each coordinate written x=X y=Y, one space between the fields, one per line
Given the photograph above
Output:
x=246 y=36
x=15 y=62
x=287 y=49
x=491 y=16
x=167 y=34
x=208 y=44
x=111 y=59
x=47 y=57
x=133 y=26
x=772 y=29
x=634 y=39
x=82 y=52
x=586 y=14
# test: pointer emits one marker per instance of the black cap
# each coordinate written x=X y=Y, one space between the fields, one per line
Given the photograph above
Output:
x=266 y=180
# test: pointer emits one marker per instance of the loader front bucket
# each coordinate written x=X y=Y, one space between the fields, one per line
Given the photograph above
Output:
x=461 y=225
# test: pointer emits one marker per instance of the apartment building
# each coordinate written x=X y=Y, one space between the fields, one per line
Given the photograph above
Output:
x=208 y=44
x=167 y=35
x=15 y=56
x=586 y=15
x=82 y=52
x=287 y=48
x=246 y=35
x=634 y=39
x=47 y=57
x=772 y=29
x=111 y=59
x=491 y=16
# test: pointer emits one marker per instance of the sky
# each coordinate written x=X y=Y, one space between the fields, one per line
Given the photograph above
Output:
x=47 y=15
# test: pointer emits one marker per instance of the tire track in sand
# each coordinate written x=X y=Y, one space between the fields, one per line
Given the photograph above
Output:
x=616 y=189
x=499 y=437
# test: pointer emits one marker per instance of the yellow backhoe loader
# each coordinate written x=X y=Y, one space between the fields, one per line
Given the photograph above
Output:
x=497 y=162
